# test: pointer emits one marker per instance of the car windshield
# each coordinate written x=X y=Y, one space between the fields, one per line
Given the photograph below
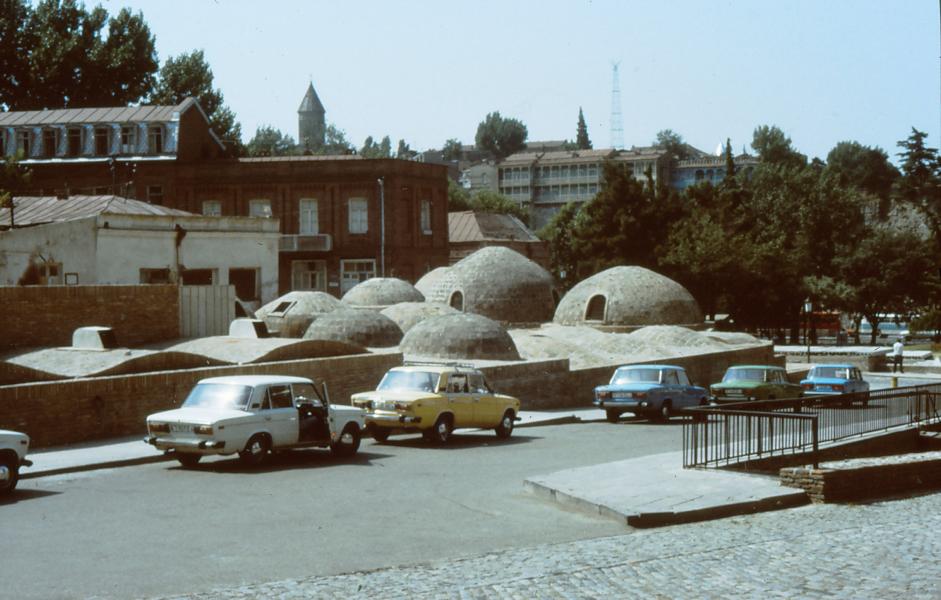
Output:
x=744 y=375
x=409 y=381
x=218 y=395
x=831 y=372
x=636 y=376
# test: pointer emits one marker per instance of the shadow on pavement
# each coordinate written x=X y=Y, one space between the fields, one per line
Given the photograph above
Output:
x=19 y=495
x=456 y=442
x=282 y=461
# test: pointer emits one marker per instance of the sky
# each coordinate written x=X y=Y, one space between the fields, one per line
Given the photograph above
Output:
x=427 y=71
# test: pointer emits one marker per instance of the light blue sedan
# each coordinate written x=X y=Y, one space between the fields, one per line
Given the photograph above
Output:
x=835 y=379
x=654 y=391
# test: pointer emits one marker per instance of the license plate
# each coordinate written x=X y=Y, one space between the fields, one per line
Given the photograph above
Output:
x=622 y=395
x=181 y=427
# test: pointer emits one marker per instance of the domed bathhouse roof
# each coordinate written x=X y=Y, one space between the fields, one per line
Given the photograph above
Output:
x=460 y=335
x=360 y=326
x=628 y=297
x=291 y=314
x=408 y=314
x=498 y=283
x=426 y=284
x=382 y=291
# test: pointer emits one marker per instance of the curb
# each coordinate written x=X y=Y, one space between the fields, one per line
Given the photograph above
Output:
x=127 y=462
x=662 y=519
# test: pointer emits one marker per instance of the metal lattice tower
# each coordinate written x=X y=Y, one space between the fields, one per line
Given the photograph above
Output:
x=617 y=127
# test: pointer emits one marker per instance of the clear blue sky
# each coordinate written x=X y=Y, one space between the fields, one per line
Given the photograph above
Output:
x=426 y=71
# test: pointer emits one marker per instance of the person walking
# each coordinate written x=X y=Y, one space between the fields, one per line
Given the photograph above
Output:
x=897 y=354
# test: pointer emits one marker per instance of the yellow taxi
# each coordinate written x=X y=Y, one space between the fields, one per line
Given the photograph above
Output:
x=435 y=399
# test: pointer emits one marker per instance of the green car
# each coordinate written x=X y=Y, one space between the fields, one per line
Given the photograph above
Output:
x=754 y=382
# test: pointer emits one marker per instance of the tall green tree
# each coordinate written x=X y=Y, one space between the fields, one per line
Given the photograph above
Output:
x=371 y=149
x=452 y=150
x=729 y=162
x=269 y=141
x=488 y=201
x=774 y=147
x=404 y=151
x=581 y=134
x=862 y=167
x=920 y=184
x=500 y=136
x=335 y=142
x=189 y=75
x=560 y=234
x=61 y=55
x=672 y=143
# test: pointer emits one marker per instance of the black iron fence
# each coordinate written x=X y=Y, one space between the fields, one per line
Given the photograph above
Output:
x=732 y=433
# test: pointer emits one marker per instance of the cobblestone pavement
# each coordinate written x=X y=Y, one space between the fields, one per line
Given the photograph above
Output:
x=881 y=550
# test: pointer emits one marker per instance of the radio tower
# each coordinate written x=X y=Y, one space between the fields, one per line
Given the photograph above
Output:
x=617 y=128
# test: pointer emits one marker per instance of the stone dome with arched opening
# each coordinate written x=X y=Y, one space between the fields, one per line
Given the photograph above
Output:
x=628 y=297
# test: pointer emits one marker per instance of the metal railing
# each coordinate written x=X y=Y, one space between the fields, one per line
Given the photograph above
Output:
x=733 y=433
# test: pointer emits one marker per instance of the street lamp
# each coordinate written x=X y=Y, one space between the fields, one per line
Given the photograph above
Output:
x=808 y=309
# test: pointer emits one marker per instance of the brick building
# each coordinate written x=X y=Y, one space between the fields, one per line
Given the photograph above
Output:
x=343 y=218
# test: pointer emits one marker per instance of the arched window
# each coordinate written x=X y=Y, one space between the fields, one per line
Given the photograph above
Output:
x=457 y=301
x=596 y=307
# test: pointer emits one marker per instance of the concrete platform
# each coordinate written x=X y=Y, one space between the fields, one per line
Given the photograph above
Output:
x=656 y=490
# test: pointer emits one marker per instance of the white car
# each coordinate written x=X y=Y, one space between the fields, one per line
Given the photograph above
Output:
x=13 y=449
x=253 y=415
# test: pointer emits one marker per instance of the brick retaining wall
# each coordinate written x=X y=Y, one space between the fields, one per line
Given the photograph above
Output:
x=42 y=316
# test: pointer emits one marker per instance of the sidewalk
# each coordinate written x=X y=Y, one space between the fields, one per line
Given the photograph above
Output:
x=123 y=452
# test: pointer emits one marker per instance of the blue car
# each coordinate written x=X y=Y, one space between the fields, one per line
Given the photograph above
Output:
x=835 y=379
x=654 y=391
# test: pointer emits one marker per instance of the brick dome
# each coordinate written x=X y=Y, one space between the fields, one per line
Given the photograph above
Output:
x=459 y=336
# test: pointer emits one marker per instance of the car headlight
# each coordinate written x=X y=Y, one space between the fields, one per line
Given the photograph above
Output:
x=159 y=427
x=604 y=395
x=404 y=406
x=203 y=430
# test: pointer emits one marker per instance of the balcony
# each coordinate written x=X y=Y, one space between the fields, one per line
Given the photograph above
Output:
x=320 y=242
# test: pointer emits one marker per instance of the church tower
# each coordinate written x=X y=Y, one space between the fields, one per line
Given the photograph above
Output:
x=311 y=124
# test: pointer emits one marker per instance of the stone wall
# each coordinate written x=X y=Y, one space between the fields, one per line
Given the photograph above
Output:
x=79 y=410
x=40 y=316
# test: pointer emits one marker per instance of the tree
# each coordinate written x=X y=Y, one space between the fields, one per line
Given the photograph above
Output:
x=371 y=149
x=488 y=201
x=581 y=136
x=13 y=176
x=920 y=184
x=458 y=198
x=189 y=75
x=57 y=56
x=672 y=143
x=862 y=167
x=560 y=233
x=774 y=147
x=452 y=150
x=269 y=141
x=335 y=142
x=729 y=162
x=404 y=152
x=501 y=137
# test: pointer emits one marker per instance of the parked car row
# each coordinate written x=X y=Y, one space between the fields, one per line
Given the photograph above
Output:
x=658 y=391
x=253 y=416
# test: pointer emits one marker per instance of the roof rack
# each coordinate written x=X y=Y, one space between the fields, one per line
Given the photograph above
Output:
x=438 y=363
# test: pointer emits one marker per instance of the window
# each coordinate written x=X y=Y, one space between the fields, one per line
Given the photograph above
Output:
x=259 y=208
x=3 y=143
x=426 y=217
x=280 y=396
x=128 y=139
x=50 y=142
x=102 y=141
x=355 y=271
x=212 y=208
x=669 y=378
x=155 y=194
x=457 y=383
x=155 y=139
x=309 y=275
x=75 y=141
x=358 y=215
x=683 y=378
x=50 y=273
x=456 y=301
x=22 y=142
x=153 y=276
x=309 y=219
x=245 y=282
x=198 y=276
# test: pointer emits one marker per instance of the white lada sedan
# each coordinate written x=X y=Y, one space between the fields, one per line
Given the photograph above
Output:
x=253 y=415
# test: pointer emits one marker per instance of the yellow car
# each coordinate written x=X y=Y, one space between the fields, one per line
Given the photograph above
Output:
x=435 y=400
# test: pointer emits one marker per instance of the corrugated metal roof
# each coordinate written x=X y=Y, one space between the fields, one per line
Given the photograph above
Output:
x=36 y=210
x=82 y=116
x=468 y=226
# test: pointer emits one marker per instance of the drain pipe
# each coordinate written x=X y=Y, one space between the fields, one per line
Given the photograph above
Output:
x=382 y=226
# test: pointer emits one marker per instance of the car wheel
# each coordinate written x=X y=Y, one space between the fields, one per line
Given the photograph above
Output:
x=9 y=474
x=348 y=443
x=612 y=416
x=505 y=428
x=666 y=410
x=380 y=434
x=256 y=450
x=441 y=432
x=187 y=460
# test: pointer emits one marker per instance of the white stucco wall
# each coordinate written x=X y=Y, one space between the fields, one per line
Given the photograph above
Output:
x=70 y=243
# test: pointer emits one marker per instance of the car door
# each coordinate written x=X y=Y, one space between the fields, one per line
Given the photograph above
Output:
x=460 y=400
x=688 y=393
x=281 y=418
x=670 y=388
x=489 y=409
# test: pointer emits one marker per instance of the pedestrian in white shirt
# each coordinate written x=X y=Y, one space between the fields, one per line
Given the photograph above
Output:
x=897 y=351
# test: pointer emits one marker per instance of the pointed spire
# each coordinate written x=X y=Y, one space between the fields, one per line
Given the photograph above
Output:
x=311 y=103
